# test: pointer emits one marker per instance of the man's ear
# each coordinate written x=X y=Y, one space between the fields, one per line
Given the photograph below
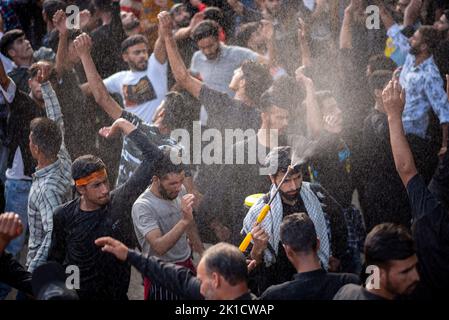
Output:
x=242 y=83
x=216 y=280
x=289 y=252
x=125 y=56
x=272 y=179
x=11 y=53
x=81 y=190
x=318 y=244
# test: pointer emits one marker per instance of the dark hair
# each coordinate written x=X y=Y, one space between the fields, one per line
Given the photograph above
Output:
x=181 y=109
x=285 y=93
x=257 y=79
x=279 y=159
x=46 y=134
x=298 y=232
x=165 y=165
x=103 y=5
x=8 y=39
x=228 y=261
x=379 y=79
x=431 y=37
x=53 y=39
x=132 y=41
x=85 y=165
x=214 y=14
x=245 y=32
x=206 y=28
x=386 y=242
x=51 y=6
x=32 y=71
x=381 y=62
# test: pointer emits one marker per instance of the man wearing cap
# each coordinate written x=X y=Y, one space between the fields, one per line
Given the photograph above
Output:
x=17 y=47
x=294 y=196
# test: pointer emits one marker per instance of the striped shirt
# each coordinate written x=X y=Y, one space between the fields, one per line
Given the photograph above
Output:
x=51 y=187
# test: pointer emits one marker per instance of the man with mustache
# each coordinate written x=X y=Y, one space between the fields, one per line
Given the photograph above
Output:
x=163 y=221
x=294 y=196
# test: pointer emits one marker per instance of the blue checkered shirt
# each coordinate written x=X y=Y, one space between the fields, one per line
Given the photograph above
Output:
x=51 y=187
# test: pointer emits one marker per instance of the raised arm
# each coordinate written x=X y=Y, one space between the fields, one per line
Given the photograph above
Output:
x=161 y=243
x=412 y=12
x=60 y=20
x=175 y=278
x=83 y=44
x=159 y=48
x=7 y=87
x=183 y=33
x=313 y=114
x=346 y=28
x=385 y=16
x=52 y=106
x=178 y=67
x=303 y=37
x=393 y=101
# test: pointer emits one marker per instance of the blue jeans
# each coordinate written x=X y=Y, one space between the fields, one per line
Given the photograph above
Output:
x=16 y=196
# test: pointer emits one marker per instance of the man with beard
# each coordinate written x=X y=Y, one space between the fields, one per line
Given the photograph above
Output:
x=144 y=86
x=424 y=89
x=17 y=47
x=294 y=196
x=163 y=221
x=99 y=212
x=391 y=249
x=215 y=62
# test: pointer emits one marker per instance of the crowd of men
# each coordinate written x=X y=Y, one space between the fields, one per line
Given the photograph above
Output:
x=115 y=149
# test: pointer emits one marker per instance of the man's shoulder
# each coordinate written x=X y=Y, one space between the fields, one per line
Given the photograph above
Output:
x=146 y=201
x=278 y=291
x=65 y=209
x=237 y=51
x=344 y=278
x=355 y=292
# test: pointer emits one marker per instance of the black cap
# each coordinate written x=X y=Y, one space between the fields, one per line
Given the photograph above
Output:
x=49 y=283
x=278 y=160
x=8 y=38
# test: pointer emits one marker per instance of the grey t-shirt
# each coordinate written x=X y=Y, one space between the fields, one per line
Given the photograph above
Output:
x=218 y=73
x=150 y=213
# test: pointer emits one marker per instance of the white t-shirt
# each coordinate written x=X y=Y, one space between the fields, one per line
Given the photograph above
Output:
x=141 y=91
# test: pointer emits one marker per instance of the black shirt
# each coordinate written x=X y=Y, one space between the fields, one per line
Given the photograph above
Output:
x=226 y=187
x=177 y=279
x=20 y=77
x=313 y=285
x=74 y=232
x=430 y=231
x=23 y=109
x=79 y=118
x=383 y=192
x=13 y=274
x=225 y=112
x=355 y=292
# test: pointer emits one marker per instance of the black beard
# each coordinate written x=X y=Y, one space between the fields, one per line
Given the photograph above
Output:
x=414 y=51
x=131 y=26
x=184 y=23
x=290 y=197
x=164 y=194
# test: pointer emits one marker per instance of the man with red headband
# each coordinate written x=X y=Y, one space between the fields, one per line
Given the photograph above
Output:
x=98 y=212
